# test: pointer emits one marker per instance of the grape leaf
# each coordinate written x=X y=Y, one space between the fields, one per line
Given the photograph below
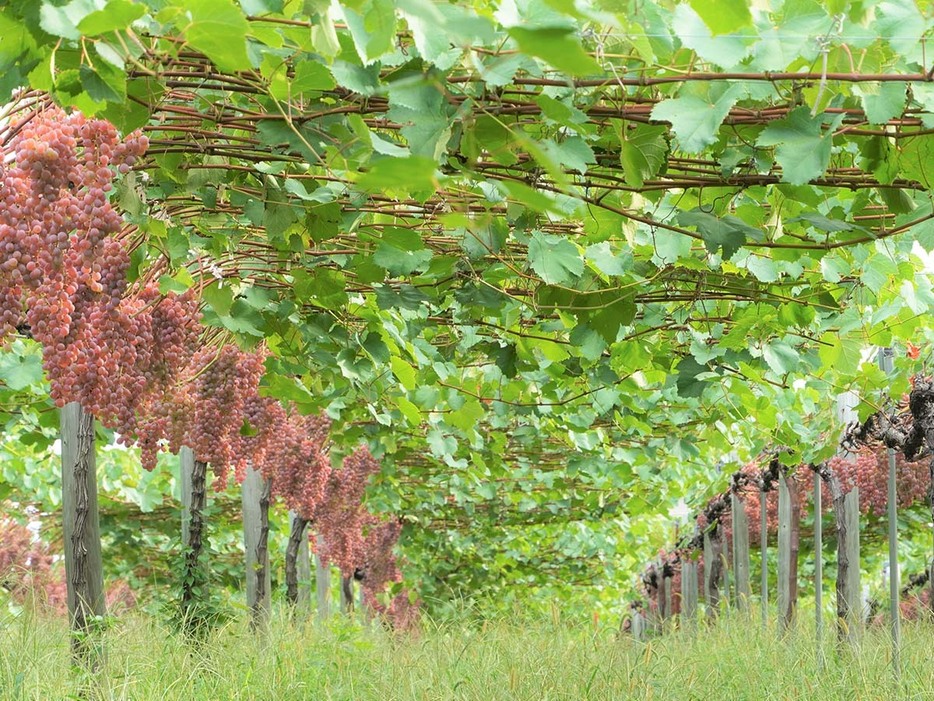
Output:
x=555 y=258
x=696 y=121
x=802 y=146
x=218 y=29
x=643 y=152
x=723 y=16
x=726 y=234
x=557 y=46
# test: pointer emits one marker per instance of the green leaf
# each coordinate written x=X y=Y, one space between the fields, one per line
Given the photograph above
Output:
x=882 y=101
x=400 y=175
x=118 y=14
x=695 y=121
x=19 y=371
x=401 y=251
x=916 y=160
x=218 y=29
x=643 y=152
x=554 y=258
x=780 y=357
x=468 y=416
x=726 y=234
x=409 y=411
x=63 y=20
x=723 y=16
x=686 y=381
x=803 y=148
x=606 y=261
x=404 y=372
x=557 y=46
x=108 y=84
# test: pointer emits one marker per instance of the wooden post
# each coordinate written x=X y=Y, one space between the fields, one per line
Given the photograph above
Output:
x=688 y=590
x=846 y=515
x=852 y=586
x=666 y=595
x=346 y=594
x=361 y=605
x=638 y=626
x=708 y=558
x=84 y=573
x=818 y=572
x=787 y=552
x=740 y=552
x=255 y=504
x=297 y=564
x=885 y=364
x=713 y=568
x=193 y=477
x=764 y=551
x=323 y=588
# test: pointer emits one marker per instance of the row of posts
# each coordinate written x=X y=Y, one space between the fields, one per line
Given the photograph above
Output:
x=83 y=558
x=849 y=608
x=718 y=563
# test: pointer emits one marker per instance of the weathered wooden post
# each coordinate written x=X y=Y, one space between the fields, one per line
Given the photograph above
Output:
x=666 y=590
x=84 y=573
x=637 y=626
x=885 y=364
x=193 y=477
x=298 y=565
x=713 y=568
x=323 y=588
x=689 y=590
x=346 y=594
x=764 y=551
x=818 y=572
x=740 y=552
x=788 y=523
x=255 y=504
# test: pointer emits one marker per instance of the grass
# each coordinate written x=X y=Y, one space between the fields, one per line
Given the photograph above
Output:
x=735 y=659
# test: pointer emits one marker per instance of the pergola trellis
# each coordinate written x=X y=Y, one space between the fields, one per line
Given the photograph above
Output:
x=229 y=146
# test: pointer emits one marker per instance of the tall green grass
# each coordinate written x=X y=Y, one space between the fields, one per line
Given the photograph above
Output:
x=545 y=660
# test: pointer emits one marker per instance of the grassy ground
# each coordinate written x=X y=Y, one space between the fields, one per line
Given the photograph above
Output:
x=735 y=659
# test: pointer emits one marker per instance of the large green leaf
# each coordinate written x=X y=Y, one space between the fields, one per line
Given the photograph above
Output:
x=557 y=46
x=643 y=152
x=723 y=16
x=554 y=258
x=803 y=146
x=695 y=121
x=724 y=234
x=217 y=28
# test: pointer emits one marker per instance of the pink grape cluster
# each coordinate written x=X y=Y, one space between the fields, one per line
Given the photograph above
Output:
x=205 y=409
x=341 y=517
x=64 y=269
x=291 y=450
x=868 y=469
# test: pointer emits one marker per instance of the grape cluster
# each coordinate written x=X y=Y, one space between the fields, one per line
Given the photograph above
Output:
x=868 y=469
x=341 y=518
x=204 y=407
x=291 y=450
x=64 y=269
x=380 y=565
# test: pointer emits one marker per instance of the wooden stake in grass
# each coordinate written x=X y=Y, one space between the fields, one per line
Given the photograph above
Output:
x=255 y=503
x=688 y=590
x=740 y=552
x=323 y=588
x=297 y=564
x=788 y=530
x=347 y=603
x=84 y=573
x=193 y=476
